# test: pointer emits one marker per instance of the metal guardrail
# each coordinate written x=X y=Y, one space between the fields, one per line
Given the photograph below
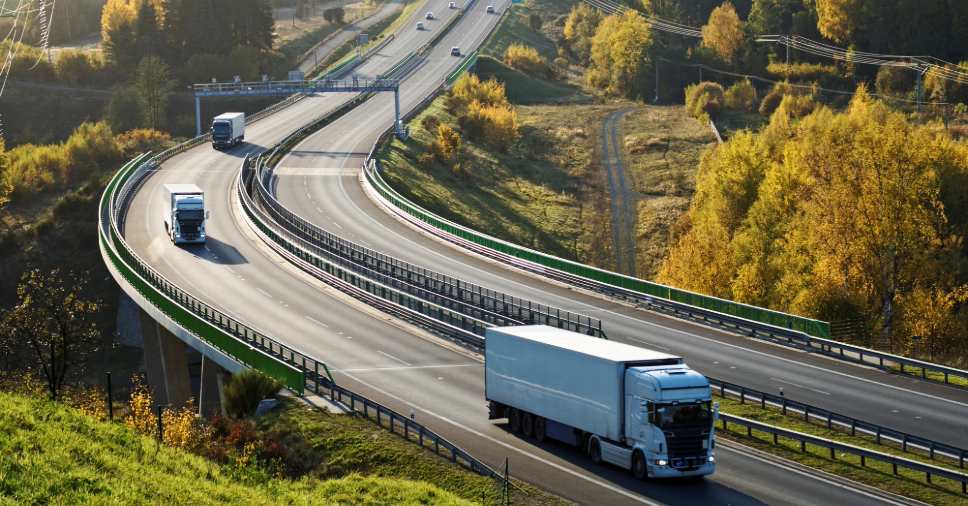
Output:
x=835 y=447
x=907 y=442
x=474 y=301
x=292 y=87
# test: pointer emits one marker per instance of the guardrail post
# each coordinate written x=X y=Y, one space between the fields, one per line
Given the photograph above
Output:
x=894 y=466
x=853 y=427
x=863 y=461
x=803 y=446
x=420 y=436
x=877 y=436
x=833 y=454
x=904 y=440
x=961 y=459
x=829 y=420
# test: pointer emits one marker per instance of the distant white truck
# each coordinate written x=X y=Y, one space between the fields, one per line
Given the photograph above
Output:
x=228 y=130
x=635 y=408
x=185 y=213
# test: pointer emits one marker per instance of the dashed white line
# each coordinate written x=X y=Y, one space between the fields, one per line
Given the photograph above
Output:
x=406 y=368
x=263 y=292
x=338 y=225
x=778 y=380
x=395 y=359
x=317 y=322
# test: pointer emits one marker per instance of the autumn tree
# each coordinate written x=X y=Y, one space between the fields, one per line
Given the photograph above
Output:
x=118 y=33
x=153 y=85
x=723 y=34
x=620 y=61
x=53 y=324
x=580 y=27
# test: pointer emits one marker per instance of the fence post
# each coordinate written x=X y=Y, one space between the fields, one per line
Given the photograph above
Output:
x=107 y=376
x=161 y=429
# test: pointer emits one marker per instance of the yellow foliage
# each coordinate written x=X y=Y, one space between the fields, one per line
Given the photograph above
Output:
x=704 y=100
x=140 y=416
x=469 y=88
x=620 y=55
x=835 y=215
x=526 y=59
x=836 y=18
x=724 y=32
x=447 y=145
x=741 y=96
x=497 y=125
x=183 y=428
x=580 y=27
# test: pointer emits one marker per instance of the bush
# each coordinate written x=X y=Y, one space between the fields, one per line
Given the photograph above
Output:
x=244 y=391
x=91 y=147
x=77 y=67
x=32 y=169
x=124 y=110
x=894 y=81
x=803 y=71
x=704 y=100
x=446 y=146
x=469 y=88
x=430 y=123
x=140 y=140
x=534 y=20
x=770 y=102
x=741 y=96
x=527 y=60
x=496 y=125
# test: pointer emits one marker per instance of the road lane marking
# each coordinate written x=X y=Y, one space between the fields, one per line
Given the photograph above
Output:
x=405 y=368
x=317 y=322
x=395 y=359
x=338 y=225
x=778 y=380
x=263 y=292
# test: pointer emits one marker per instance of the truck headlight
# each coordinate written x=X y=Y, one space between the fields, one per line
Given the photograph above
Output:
x=660 y=462
x=712 y=458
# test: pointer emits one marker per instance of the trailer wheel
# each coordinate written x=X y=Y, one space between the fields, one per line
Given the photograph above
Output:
x=527 y=424
x=595 y=450
x=639 y=468
x=514 y=420
x=540 y=429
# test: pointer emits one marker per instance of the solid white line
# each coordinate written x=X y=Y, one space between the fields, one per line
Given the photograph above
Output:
x=613 y=488
x=317 y=322
x=408 y=368
x=799 y=386
x=391 y=357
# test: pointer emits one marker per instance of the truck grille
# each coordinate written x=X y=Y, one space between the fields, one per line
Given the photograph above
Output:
x=686 y=442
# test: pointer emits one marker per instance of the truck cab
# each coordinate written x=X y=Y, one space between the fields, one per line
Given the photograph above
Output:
x=185 y=214
x=669 y=418
x=228 y=130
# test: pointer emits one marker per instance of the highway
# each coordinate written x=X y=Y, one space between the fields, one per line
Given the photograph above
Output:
x=388 y=360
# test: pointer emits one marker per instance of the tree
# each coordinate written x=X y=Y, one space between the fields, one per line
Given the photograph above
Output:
x=335 y=15
x=838 y=19
x=724 y=32
x=620 y=59
x=579 y=30
x=153 y=85
x=124 y=109
x=118 y=33
x=534 y=20
x=147 y=31
x=55 y=324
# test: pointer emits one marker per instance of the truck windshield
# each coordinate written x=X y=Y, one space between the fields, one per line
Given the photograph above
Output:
x=221 y=129
x=191 y=215
x=671 y=416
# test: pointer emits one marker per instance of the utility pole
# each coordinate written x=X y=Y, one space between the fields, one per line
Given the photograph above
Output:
x=788 y=51
x=919 y=88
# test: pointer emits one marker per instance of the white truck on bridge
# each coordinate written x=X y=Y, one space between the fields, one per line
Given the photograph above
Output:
x=185 y=213
x=638 y=409
x=228 y=129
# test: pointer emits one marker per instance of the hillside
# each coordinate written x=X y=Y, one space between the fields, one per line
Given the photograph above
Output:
x=52 y=454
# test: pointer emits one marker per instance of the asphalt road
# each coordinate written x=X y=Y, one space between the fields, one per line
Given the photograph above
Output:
x=374 y=354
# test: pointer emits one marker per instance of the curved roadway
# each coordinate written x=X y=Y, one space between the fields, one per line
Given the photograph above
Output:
x=379 y=356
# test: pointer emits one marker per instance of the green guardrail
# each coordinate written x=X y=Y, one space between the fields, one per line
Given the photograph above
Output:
x=466 y=64
x=809 y=326
x=147 y=285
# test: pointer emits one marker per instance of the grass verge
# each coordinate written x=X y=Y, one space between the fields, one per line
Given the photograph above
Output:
x=50 y=453
x=382 y=29
x=295 y=37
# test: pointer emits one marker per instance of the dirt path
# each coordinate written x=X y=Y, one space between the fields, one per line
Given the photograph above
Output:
x=623 y=198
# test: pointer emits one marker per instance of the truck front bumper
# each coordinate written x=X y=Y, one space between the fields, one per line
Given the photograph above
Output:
x=656 y=471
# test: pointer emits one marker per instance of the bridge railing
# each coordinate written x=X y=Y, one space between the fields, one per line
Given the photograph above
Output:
x=835 y=447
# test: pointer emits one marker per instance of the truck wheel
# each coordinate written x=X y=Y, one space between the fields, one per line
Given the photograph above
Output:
x=639 y=468
x=514 y=420
x=595 y=450
x=527 y=424
x=540 y=429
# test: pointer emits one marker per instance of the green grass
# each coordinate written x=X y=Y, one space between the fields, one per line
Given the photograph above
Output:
x=730 y=122
x=545 y=193
x=523 y=89
x=931 y=375
x=516 y=30
x=663 y=146
x=52 y=454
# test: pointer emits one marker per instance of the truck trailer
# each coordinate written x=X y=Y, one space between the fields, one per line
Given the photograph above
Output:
x=185 y=213
x=638 y=409
x=228 y=130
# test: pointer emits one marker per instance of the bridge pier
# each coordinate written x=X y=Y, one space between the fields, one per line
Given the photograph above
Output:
x=211 y=393
x=166 y=364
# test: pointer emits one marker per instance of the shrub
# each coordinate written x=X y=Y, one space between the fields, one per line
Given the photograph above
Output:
x=33 y=168
x=77 y=67
x=802 y=71
x=741 y=96
x=534 y=20
x=244 y=391
x=447 y=145
x=527 y=60
x=124 y=110
x=770 y=102
x=140 y=140
x=704 y=100
x=91 y=147
x=496 y=125
x=470 y=88
x=430 y=123
x=894 y=81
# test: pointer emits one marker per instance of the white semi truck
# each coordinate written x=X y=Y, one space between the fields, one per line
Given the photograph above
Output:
x=635 y=408
x=185 y=213
x=228 y=130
